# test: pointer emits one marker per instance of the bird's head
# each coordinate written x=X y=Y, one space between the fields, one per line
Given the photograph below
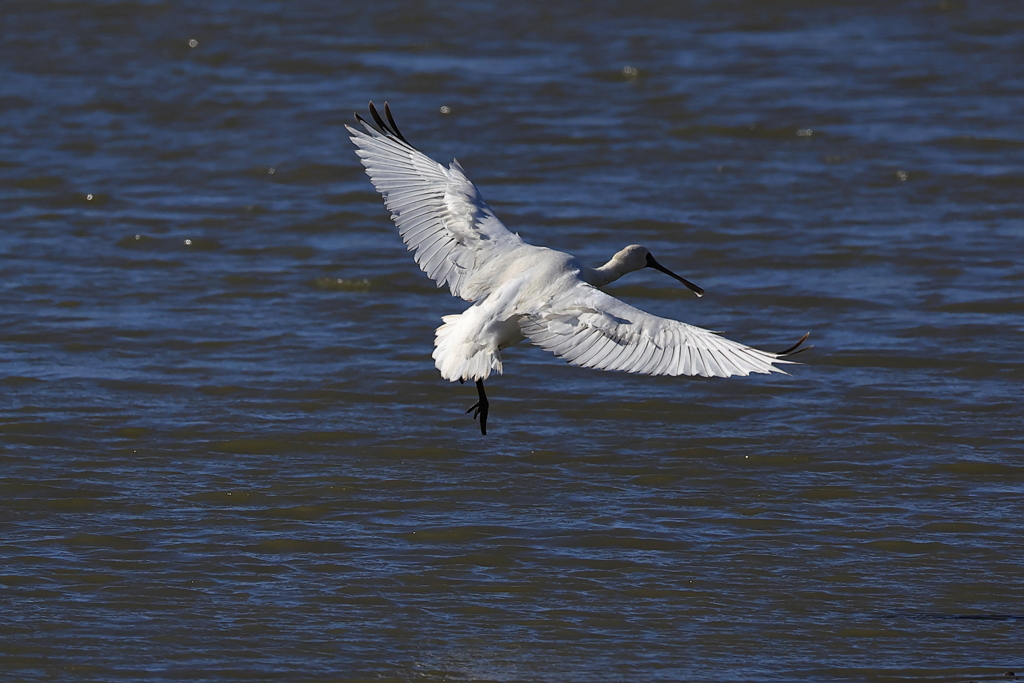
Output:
x=634 y=257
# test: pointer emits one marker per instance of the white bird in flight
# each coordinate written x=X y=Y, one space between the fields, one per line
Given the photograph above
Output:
x=520 y=291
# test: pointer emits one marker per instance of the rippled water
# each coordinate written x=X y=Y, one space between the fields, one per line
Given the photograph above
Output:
x=226 y=454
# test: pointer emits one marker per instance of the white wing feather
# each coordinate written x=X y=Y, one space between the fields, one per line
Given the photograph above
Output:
x=595 y=330
x=439 y=213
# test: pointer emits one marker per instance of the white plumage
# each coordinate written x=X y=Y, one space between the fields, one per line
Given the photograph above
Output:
x=525 y=292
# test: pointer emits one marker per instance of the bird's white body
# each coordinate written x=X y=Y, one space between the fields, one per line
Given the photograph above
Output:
x=520 y=291
x=468 y=345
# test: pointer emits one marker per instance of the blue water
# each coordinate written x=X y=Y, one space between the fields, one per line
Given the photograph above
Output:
x=225 y=453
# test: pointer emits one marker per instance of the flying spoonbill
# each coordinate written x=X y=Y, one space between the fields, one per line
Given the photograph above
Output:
x=520 y=291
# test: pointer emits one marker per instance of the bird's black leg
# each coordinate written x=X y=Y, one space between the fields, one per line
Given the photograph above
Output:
x=480 y=407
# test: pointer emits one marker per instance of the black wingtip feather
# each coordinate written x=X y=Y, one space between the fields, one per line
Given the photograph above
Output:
x=389 y=129
x=379 y=121
x=792 y=350
x=394 y=126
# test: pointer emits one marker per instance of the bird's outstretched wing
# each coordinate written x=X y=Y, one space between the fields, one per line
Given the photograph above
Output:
x=592 y=329
x=439 y=213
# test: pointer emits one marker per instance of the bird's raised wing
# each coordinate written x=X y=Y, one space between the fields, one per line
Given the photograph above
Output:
x=592 y=329
x=439 y=213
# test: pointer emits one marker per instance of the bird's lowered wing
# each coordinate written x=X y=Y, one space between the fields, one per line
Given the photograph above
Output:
x=439 y=213
x=592 y=329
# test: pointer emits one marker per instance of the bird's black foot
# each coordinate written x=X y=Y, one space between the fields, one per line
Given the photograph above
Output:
x=480 y=407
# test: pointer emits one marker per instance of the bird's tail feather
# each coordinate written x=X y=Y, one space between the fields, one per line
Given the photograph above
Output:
x=458 y=353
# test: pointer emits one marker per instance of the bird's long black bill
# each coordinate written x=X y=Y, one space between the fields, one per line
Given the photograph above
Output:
x=651 y=263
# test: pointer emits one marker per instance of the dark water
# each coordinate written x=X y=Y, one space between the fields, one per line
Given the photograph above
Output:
x=226 y=454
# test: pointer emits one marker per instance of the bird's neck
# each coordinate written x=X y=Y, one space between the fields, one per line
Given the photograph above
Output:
x=605 y=275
